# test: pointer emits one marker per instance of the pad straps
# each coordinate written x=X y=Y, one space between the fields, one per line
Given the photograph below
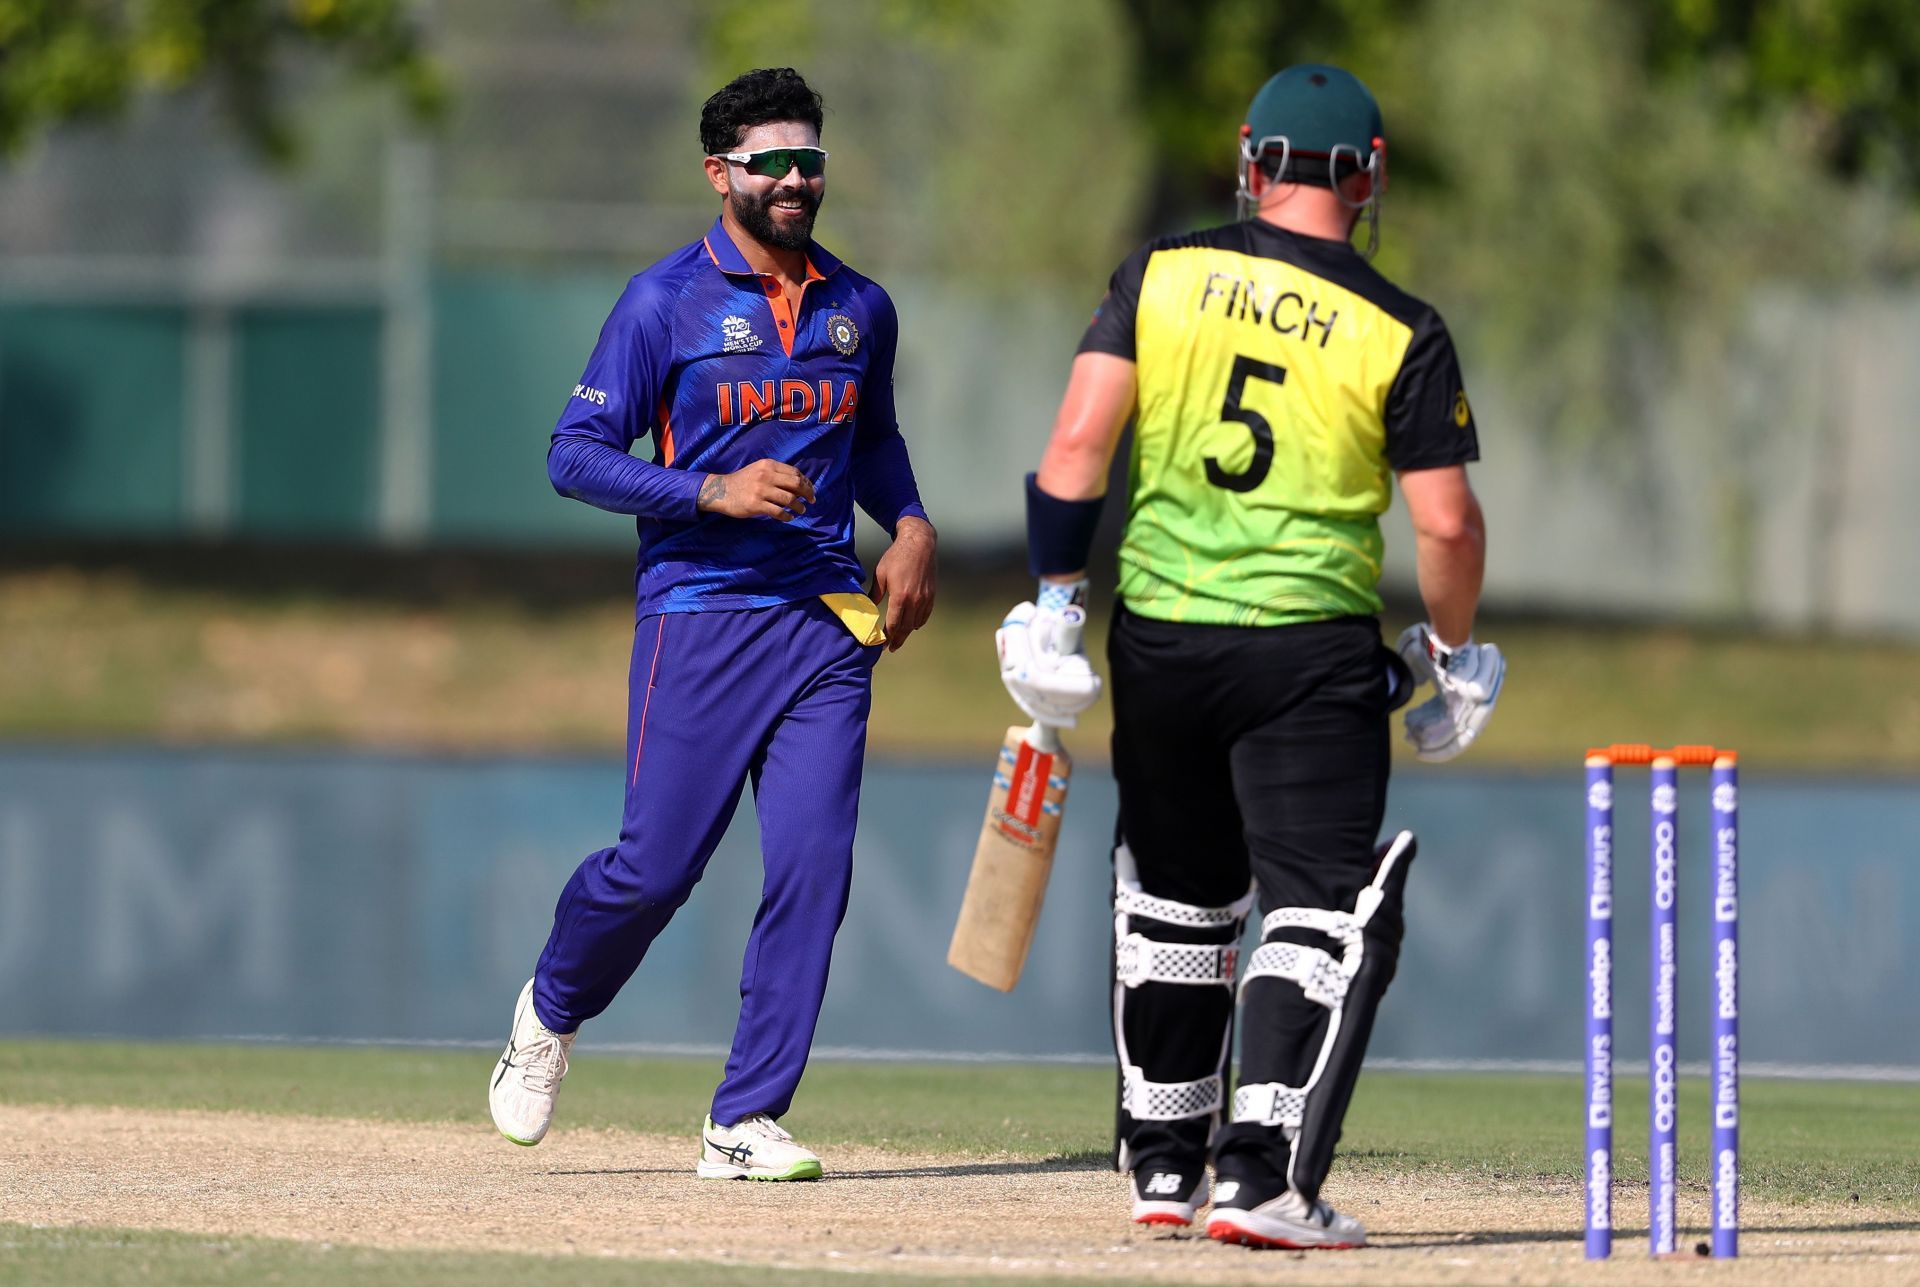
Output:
x=1139 y=959
x=1170 y=1101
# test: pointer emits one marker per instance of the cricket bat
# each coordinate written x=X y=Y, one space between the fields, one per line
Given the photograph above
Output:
x=1013 y=858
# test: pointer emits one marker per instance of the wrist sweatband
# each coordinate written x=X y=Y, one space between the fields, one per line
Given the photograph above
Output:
x=1052 y=596
x=1441 y=652
x=1059 y=532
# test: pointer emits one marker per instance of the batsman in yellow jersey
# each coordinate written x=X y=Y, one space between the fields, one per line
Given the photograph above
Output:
x=1277 y=385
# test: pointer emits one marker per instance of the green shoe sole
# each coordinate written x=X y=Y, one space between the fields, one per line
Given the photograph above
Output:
x=798 y=1171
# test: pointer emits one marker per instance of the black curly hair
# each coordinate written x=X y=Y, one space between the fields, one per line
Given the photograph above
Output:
x=755 y=98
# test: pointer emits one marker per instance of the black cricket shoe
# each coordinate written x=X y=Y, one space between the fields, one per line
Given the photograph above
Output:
x=1168 y=1191
x=1253 y=1207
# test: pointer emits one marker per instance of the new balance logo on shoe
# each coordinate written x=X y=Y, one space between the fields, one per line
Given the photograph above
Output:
x=1226 y=1190
x=1169 y=1197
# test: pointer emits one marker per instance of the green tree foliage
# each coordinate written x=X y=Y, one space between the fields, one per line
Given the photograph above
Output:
x=1594 y=191
x=1854 y=65
x=66 y=60
x=993 y=141
x=1197 y=66
x=1592 y=187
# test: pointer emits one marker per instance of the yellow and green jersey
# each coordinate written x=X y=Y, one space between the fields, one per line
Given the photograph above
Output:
x=1282 y=381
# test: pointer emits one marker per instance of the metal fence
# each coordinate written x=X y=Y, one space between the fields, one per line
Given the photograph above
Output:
x=162 y=893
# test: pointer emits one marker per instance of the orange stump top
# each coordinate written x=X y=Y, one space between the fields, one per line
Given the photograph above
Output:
x=1641 y=753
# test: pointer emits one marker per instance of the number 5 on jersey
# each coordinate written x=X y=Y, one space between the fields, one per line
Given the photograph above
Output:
x=1244 y=369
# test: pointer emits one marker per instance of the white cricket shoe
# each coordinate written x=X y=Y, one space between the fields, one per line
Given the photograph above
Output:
x=526 y=1081
x=1286 y=1221
x=754 y=1148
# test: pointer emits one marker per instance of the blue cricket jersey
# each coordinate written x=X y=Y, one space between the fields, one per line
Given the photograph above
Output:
x=705 y=354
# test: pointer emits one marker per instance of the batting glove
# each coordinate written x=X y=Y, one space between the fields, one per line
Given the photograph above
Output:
x=1466 y=681
x=1042 y=664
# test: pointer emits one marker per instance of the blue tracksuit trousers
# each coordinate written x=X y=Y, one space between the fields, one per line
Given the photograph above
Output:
x=779 y=696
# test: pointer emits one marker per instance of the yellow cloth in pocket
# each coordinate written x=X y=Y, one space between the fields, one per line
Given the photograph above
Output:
x=859 y=614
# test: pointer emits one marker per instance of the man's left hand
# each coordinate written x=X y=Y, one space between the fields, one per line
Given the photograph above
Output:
x=904 y=580
x=1466 y=681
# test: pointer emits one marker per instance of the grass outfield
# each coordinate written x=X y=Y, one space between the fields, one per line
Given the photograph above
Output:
x=1801 y=1141
x=105 y=654
x=111 y=1257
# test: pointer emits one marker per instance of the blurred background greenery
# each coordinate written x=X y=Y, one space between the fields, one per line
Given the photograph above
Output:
x=298 y=283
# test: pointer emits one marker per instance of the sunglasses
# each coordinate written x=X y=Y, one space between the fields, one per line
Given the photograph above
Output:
x=775 y=162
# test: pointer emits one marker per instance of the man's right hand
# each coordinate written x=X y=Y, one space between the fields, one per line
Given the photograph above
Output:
x=1043 y=663
x=764 y=489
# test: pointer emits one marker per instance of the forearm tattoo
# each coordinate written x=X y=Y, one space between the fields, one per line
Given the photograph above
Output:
x=713 y=491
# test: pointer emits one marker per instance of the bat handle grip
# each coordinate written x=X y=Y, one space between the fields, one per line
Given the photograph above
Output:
x=1045 y=738
x=1073 y=621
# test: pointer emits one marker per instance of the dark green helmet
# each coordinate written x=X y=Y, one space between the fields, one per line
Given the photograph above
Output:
x=1317 y=109
x=1314 y=124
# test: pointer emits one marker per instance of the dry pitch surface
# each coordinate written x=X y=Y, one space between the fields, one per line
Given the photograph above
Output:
x=618 y=1194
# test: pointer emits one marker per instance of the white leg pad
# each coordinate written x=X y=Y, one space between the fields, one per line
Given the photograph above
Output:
x=1323 y=979
x=1271 y=1104
x=1139 y=959
x=1170 y=1101
x=1317 y=974
x=1128 y=900
x=1341 y=926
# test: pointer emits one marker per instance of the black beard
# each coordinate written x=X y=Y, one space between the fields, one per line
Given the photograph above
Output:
x=756 y=216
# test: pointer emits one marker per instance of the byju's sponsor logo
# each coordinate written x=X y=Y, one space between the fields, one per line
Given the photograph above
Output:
x=1726 y=1082
x=598 y=397
x=1600 y=1084
x=1600 y=897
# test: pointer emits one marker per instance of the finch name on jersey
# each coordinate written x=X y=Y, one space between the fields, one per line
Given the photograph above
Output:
x=1286 y=312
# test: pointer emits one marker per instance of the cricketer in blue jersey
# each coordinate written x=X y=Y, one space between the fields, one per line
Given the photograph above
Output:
x=762 y=368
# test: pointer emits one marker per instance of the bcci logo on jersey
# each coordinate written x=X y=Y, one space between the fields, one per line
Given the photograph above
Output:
x=736 y=335
x=843 y=333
